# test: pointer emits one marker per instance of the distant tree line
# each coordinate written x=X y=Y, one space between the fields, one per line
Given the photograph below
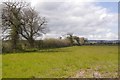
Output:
x=102 y=42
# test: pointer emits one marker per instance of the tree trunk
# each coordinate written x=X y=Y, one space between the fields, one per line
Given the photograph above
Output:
x=31 y=42
x=14 y=39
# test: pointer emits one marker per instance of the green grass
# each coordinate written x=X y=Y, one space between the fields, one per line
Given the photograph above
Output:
x=62 y=62
x=0 y=66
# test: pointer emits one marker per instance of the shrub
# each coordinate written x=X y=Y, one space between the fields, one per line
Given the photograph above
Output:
x=55 y=43
x=6 y=47
x=39 y=44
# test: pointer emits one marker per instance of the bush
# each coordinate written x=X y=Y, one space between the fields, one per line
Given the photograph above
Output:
x=6 y=47
x=39 y=44
x=54 y=43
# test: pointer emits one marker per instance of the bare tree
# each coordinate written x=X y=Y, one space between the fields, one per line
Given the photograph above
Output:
x=82 y=40
x=19 y=19
x=11 y=20
x=70 y=37
x=77 y=40
x=33 y=25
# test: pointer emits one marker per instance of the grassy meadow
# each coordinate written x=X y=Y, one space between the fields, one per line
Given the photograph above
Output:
x=76 y=61
x=0 y=66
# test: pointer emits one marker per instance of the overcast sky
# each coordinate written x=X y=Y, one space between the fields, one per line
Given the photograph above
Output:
x=93 y=20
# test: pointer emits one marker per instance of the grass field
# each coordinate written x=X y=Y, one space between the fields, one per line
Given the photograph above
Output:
x=0 y=66
x=77 y=61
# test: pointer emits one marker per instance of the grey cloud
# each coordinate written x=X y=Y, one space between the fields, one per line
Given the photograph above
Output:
x=84 y=19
